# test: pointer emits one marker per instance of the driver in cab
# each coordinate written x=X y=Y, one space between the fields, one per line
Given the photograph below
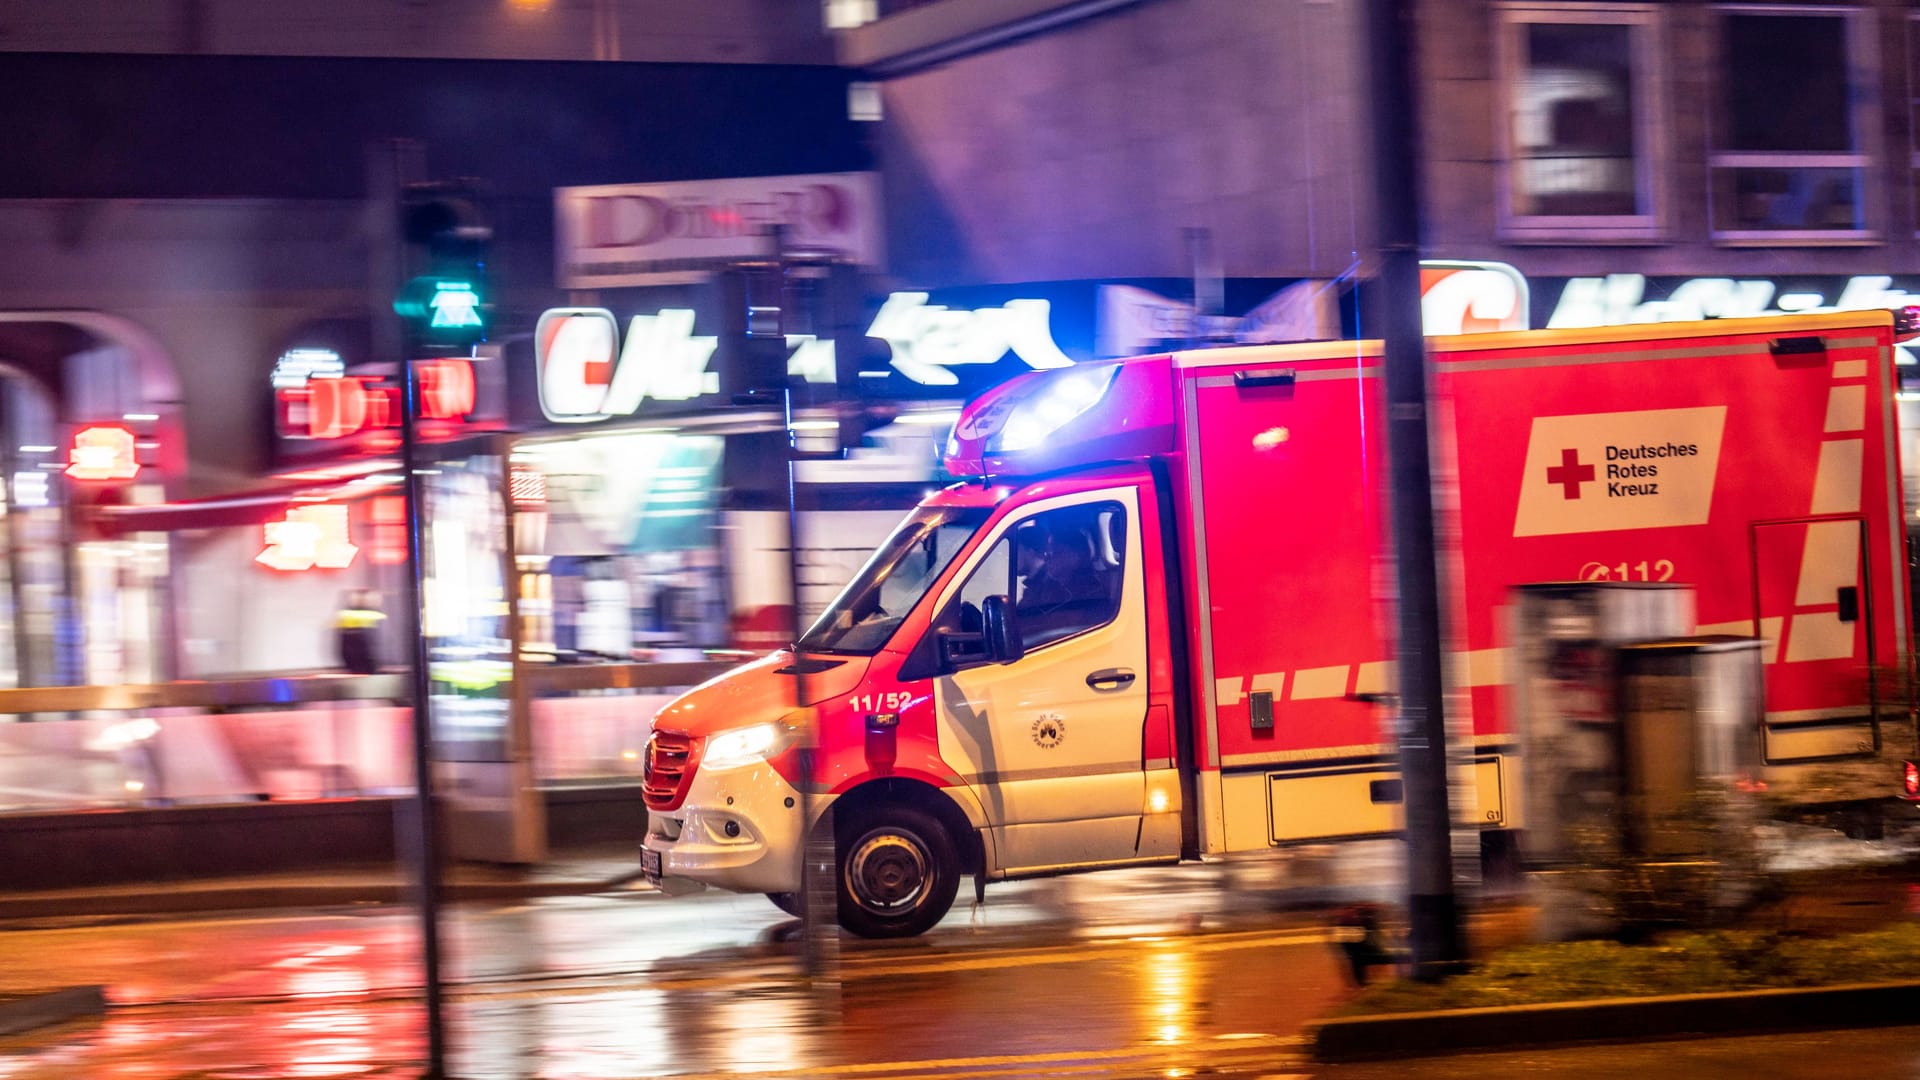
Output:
x=1060 y=588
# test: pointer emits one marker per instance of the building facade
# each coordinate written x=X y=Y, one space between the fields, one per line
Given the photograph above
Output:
x=1103 y=175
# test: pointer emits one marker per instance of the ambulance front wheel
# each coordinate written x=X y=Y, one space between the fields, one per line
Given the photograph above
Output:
x=898 y=872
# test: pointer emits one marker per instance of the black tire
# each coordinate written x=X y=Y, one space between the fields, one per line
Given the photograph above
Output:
x=896 y=872
x=787 y=902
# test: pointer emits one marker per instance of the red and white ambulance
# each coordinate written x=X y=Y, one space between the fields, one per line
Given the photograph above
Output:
x=1154 y=624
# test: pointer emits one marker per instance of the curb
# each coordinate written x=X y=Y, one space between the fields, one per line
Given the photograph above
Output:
x=162 y=899
x=1446 y=1031
x=49 y=1007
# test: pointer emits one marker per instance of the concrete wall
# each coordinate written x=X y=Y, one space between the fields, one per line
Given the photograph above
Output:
x=1462 y=117
x=1083 y=152
x=707 y=31
x=218 y=283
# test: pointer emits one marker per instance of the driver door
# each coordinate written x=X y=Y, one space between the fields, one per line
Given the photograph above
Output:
x=1052 y=742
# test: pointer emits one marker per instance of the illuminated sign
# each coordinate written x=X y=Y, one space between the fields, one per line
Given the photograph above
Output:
x=583 y=379
x=296 y=366
x=309 y=537
x=652 y=234
x=1622 y=298
x=102 y=453
x=447 y=389
x=338 y=407
x=1472 y=297
x=927 y=339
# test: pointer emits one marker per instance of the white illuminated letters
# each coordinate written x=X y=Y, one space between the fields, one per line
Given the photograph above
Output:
x=582 y=380
x=663 y=360
x=1621 y=298
x=927 y=339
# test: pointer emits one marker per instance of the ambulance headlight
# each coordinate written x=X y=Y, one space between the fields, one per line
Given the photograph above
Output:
x=1052 y=406
x=744 y=746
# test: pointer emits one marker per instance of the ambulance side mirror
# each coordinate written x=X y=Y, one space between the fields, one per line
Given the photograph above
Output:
x=1004 y=644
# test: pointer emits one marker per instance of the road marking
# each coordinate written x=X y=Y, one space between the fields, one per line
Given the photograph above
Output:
x=1219 y=1050
x=889 y=964
x=870 y=965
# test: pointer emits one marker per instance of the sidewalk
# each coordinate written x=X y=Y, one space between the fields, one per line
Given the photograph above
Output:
x=604 y=868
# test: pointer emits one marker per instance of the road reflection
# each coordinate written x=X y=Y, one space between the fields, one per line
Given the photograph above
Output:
x=1150 y=971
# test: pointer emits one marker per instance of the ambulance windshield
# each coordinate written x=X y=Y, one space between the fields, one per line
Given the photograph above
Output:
x=871 y=607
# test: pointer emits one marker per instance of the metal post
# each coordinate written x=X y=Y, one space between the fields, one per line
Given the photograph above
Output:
x=819 y=926
x=1432 y=908
x=426 y=831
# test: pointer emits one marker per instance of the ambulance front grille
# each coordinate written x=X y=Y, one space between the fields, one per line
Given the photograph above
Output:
x=665 y=771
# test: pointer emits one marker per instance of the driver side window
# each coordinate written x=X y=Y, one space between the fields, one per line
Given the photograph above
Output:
x=1061 y=570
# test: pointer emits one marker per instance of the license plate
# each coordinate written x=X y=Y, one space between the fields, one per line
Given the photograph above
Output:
x=650 y=864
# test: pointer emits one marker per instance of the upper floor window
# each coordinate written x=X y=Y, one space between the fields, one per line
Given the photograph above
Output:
x=1580 y=108
x=1789 y=162
x=1913 y=112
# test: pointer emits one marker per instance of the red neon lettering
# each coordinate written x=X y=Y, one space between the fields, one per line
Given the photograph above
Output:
x=446 y=389
x=335 y=407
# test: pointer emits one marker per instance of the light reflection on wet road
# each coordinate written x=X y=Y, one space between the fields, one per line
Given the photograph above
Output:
x=1152 y=971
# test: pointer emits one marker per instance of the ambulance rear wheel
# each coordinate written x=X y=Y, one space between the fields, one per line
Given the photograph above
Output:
x=787 y=902
x=897 y=872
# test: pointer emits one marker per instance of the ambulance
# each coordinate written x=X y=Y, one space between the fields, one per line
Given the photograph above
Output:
x=1153 y=622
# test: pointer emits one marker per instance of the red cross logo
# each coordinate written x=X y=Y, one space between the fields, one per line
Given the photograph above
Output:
x=1570 y=474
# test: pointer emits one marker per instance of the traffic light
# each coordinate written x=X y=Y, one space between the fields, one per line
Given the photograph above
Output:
x=446 y=229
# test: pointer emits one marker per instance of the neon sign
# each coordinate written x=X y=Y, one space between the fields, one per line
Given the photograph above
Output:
x=1621 y=298
x=102 y=453
x=447 y=390
x=582 y=379
x=296 y=366
x=1471 y=297
x=927 y=339
x=336 y=407
x=309 y=537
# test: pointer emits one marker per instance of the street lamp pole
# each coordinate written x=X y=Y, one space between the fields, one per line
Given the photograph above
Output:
x=1432 y=909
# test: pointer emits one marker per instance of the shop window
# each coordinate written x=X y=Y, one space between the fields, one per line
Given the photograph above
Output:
x=1796 y=97
x=1580 y=108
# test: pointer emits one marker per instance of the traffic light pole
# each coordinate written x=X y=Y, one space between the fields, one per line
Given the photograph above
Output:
x=1421 y=730
x=426 y=853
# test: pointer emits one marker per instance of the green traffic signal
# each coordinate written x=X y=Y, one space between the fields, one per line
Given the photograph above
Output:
x=443 y=309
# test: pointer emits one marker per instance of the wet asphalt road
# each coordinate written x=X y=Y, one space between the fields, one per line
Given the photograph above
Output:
x=1131 y=973
x=1193 y=971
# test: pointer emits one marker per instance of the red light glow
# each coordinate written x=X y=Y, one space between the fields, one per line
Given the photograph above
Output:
x=309 y=537
x=102 y=453
x=389 y=516
x=446 y=389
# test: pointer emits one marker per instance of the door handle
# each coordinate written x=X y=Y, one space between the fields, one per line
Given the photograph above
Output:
x=1849 y=601
x=1110 y=679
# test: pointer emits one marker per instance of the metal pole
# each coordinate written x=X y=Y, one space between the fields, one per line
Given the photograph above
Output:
x=426 y=833
x=819 y=926
x=1432 y=908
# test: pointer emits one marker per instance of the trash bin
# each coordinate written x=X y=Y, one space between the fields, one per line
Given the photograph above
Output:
x=1564 y=695
x=1690 y=721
